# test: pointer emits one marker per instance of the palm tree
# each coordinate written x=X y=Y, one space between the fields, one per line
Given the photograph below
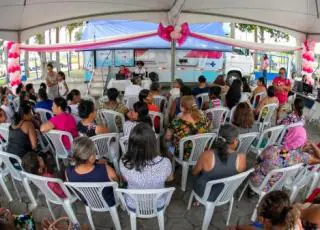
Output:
x=70 y=28
x=77 y=37
x=39 y=38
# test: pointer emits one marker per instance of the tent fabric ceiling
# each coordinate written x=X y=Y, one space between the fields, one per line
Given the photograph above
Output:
x=23 y=18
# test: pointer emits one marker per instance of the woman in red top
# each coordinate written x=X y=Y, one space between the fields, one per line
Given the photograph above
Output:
x=124 y=71
x=146 y=97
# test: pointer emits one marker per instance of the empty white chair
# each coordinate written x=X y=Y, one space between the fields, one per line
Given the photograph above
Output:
x=202 y=98
x=160 y=117
x=107 y=146
x=129 y=101
x=218 y=117
x=199 y=143
x=15 y=173
x=109 y=117
x=42 y=183
x=4 y=133
x=283 y=174
x=124 y=142
x=45 y=114
x=257 y=98
x=91 y=194
x=245 y=141
x=56 y=144
x=267 y=119
x=231 y=184
x=268 y=137
x=145 y=203
x=301 y=180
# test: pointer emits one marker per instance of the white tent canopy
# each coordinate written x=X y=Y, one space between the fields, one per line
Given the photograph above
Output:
x=21 y=19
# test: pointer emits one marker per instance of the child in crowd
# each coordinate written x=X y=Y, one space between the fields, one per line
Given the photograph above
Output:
x=214 y=95
x=36 y=164
x=6 y=107
x=63 y=87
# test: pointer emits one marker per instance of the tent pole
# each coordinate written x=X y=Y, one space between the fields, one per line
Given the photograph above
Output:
x=173 y=60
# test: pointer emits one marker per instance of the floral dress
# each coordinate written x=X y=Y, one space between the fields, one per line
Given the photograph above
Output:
x=276 y=157
x=181 y=128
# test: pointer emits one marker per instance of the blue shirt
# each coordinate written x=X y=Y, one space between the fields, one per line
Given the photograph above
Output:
x=47 y=104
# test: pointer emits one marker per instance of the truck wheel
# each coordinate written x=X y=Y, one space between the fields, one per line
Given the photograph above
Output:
x=233 y=75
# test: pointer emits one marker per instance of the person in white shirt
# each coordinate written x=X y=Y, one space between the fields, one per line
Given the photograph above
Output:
x=135 y=88
x=63 y=87
x=73 y=99
x=7 y=108
x=140 y=70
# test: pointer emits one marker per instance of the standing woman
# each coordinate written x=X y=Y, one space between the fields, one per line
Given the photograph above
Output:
x=265 y=66
x=52 y=82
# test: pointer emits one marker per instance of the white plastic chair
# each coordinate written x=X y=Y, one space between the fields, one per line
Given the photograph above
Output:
x=4 y=133
x=245 y=141
x=103 y=100
x=161 y=102
x=89 y=98
x=42 y=184
x=16 y=175
x=129 y=101
x=267 y=119
x=199 y=143
x=44 y=114
x=257 y=98
x=304 y=177
x=107 y=146
x=153 y=116
x=56 y=145
x=218 y=117
x=108 y=117
x=91 y=193
x=268 y=137
x=124 y=142
x=203 y=97
x=231 y=184
x=146 y=203
x=284 y=173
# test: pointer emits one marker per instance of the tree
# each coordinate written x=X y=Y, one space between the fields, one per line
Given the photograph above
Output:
x=77 y=37
x=39 y=38
x=70 y=28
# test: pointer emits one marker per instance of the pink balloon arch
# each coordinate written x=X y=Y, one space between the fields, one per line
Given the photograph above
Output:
x=308 y=60
x=14 y=68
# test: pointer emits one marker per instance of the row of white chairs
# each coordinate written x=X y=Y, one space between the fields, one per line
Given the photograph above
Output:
x=145 y=200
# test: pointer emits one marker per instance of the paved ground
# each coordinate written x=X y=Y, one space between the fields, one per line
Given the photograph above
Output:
x=177 y=217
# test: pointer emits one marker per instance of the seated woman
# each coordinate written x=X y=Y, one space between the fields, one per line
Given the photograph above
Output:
x=87 y=169
x=214 y=98
x=73 y=99
x=261 y=87
x=175 y=88
x=270 y=99
x=220 y=81
x=142 y=166
x=139 y=115
x=35 y=163
x=291 y=152
x=234 y=94
x=124 y=71
x=155 y=89
x=296 y=115
x=6 y=107
x=310 y=211
x=220 y=162
x=191 y=121
x=22 y=134
x=88 y=126
x=31 y=92
x=243 y=118
x=146 y=97
x=44 y=102
x=275 y=212
x=246 y=90
x=175 y=106
x=62 y=121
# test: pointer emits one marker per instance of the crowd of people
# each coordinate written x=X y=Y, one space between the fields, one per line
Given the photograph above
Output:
x=145 y=167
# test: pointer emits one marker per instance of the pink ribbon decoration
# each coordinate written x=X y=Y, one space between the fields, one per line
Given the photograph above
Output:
x=165 y=32
x=185 y=32
x=168 y=33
